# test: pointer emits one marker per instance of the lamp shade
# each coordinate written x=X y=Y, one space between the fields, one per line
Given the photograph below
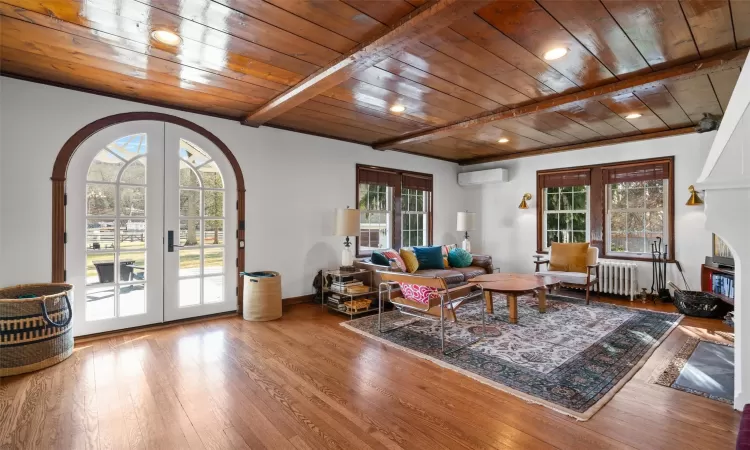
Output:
x=466 y=221
x=347 y=222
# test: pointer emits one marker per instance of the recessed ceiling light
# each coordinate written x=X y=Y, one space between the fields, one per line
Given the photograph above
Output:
x=633 y=116
x=398 y=108
x=166 y=37
x=555 y=53
x=503 y=140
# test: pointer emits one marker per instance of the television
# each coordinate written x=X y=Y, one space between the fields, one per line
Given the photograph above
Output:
x=721 y=253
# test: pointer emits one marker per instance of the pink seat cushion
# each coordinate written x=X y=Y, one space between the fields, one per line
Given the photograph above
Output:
x=417 y=293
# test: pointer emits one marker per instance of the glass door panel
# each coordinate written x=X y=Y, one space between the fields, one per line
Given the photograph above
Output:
x=200 y=266
x=115 y=223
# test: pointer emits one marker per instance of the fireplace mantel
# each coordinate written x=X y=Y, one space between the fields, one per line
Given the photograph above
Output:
x=725 y=180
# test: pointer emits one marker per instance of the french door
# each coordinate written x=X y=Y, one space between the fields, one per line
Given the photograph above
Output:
x=151 y=226
x=200 y=227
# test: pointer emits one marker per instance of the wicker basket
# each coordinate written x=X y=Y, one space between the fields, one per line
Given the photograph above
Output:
x=700 y=304
x=35 y=327
x=262 y=298
x=354 y=306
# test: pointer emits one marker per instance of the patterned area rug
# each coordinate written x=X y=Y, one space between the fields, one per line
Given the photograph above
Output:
x=572 y=359
x=702 y=368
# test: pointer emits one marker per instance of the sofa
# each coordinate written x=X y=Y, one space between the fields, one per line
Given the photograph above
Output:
x=453 y=276
x=743 y=435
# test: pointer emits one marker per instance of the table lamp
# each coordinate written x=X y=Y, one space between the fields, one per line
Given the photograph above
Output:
x=347 y=224
x=466 y=222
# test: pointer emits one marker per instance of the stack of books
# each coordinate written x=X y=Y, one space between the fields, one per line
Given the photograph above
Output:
x=347 y=284
x=723 y=284
x=357 y=289
x=337 y=301
x=350 y=287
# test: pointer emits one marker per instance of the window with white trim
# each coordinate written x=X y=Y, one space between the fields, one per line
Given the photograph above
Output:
x=620 y=208
x=395 y=209
x=375 y=209
x=415 y=206
x=566 y=214
x=636 y=212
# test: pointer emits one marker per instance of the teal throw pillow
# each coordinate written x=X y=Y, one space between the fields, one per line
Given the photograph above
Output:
x=459 y=257
x=429 y=257
x=379 y=259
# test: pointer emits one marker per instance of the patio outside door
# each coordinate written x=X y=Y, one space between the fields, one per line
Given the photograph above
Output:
x=129 y=188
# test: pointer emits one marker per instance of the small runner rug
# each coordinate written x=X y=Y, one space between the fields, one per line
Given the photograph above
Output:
x=702 y=368
x=572 y=359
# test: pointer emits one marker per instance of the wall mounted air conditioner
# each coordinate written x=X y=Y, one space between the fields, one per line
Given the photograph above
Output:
x=482 y=177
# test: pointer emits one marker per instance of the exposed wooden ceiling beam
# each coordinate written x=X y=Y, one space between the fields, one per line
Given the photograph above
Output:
x=430 y=17
x=579 y=146
x=730 y=60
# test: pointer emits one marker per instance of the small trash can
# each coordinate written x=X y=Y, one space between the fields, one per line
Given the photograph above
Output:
x=262 y=296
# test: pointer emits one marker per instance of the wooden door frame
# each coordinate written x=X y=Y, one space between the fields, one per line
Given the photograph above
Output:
x=60 y=169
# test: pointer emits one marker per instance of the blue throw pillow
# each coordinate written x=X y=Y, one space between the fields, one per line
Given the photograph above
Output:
x=379 y=259
x=459 y=257
x=429 y=257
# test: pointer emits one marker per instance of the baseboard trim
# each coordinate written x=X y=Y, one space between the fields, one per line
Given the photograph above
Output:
x=309 y=298
x=152 y=327
x=157 y=326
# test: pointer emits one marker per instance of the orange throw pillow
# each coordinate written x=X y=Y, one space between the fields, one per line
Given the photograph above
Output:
x=568 y=257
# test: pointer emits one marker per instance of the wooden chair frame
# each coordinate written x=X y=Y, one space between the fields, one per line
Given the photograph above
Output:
x=589 y=282
x=441 y=304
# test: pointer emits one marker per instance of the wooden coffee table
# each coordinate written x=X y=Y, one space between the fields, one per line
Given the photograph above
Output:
x=513 y=285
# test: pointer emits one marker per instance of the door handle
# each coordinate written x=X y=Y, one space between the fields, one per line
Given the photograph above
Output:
x=170 y=241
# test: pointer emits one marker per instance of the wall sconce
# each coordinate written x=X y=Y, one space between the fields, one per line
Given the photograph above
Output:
x=694 y=199
x=523 y=204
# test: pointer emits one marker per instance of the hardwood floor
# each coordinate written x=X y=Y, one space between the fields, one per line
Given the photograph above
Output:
x=304 y=382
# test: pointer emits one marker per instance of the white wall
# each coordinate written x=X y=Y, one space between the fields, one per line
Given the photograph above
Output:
x=294 y=182
x=509 y=234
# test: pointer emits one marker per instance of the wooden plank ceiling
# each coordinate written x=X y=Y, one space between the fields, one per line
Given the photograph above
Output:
x=468 y=73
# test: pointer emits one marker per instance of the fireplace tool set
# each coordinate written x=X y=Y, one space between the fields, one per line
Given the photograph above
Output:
x=659 y=271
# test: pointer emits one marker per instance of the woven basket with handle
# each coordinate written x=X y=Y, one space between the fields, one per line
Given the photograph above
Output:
x=35 y=327
x=700 y=304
